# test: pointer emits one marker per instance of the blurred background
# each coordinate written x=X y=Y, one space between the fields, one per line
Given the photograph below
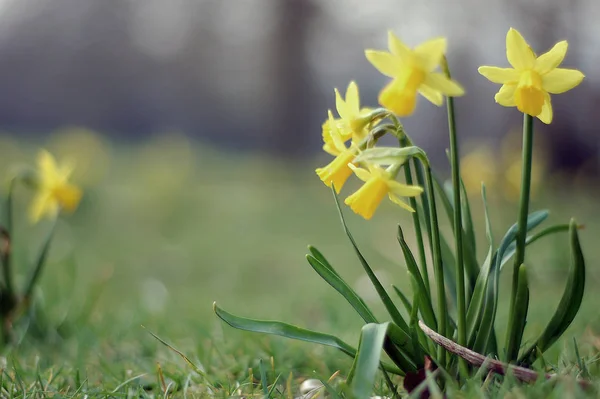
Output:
x=196 y=127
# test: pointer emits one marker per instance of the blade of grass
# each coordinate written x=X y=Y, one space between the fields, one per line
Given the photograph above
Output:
x=263 y=378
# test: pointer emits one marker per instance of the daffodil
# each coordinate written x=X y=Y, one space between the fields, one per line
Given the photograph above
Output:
x=379 y=182
x=413 y=71
x=337 y=171
x=353 y=120
x=531 y=80
x=54 y=192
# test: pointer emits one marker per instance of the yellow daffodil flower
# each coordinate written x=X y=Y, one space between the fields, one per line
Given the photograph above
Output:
x=412 y=71
x=54 y=192
x=352 y=122
x=531 y=80
x=337 y=171
x=378 y=183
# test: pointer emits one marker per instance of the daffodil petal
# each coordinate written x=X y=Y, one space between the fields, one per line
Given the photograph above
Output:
x=400 y=203
x=361 y=173
x=340 y=105
x=47 y=167
x=397 y=47
x=404 y=190
x=546 y=114
x=334 y=133
x=550 y=60
x=69 y=196
x=328 y=148
x=431 y=52
x=506 y=95
x=352 y=99
x=41 y=206
x=431 y=95
x=441 y=83
x=398 y=100
x=386 y=63
x=499 y=75
x=560 y=80
x=518 y=52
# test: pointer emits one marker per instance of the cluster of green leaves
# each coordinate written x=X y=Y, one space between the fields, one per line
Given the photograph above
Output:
x=401 y=338
x=15 y=303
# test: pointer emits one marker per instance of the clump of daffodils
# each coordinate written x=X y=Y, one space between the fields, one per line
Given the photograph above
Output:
x=449 y=319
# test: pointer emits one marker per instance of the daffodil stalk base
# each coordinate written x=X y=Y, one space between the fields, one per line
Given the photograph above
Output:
x=521 y=234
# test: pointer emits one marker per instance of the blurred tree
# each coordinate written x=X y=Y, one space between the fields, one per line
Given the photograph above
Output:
x=291 y=125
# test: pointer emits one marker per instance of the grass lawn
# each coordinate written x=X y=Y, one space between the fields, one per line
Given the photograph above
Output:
x=168 y=227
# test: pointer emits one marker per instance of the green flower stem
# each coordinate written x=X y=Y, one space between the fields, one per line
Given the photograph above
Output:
x=460 y=268
x=424 y=198
x=521 y=223
x=417 y=224
x=437 y=263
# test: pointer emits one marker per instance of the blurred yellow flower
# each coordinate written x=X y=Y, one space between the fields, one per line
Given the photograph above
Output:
x=378 y=183
x=337 y=171
x=412 y=72
x=352 y=122
x=479 y=166
x=532 y=79
x=54 y=192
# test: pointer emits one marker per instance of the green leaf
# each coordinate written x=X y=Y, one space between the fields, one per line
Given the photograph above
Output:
x=385 y=298
x=488 y=314
x=512 y=248
x=292 y=332
x=319 y=256
x=475 y=309
x=424 y=298
x=366 y=362
x=343 y=288
x=569 y=303
x=388 y=155
x=403 y=298
x=40 y=262
x=467 y=220
x=449 y=264
x=516 y=321
x=402 y=358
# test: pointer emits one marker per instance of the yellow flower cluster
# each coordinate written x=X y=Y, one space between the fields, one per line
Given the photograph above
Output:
x=414 y=71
